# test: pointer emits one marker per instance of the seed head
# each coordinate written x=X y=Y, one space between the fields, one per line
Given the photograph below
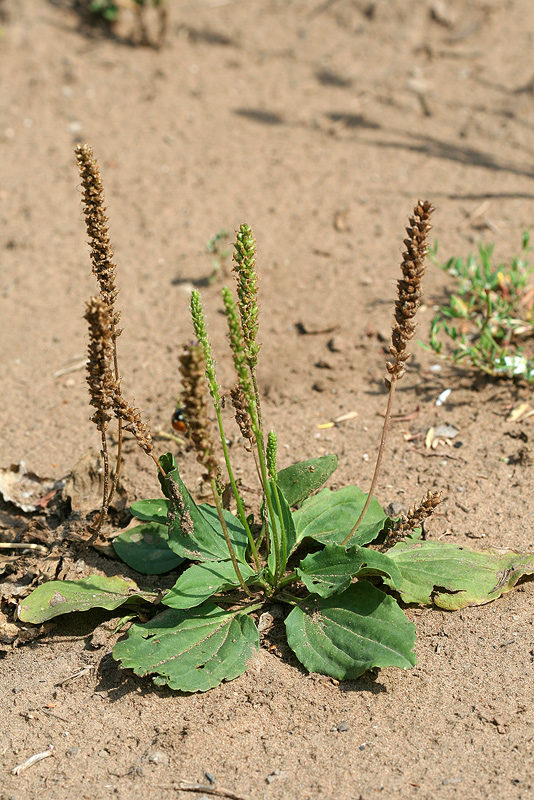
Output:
x=242 y=415
x=271 y=451
x=237 y=345
x=247 y=290
x=409 y=288
x=132 y=421
x=199 y=325
x=193 y=371
x=100 y=377
x=97 y=229
x=413 y=519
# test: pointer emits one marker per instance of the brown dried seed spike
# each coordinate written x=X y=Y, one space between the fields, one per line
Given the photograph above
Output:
x=409 y=287
x=194 y=394
x=99 y=363
x=97 y=229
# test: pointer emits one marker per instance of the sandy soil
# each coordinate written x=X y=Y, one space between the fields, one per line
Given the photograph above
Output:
x=320 y=124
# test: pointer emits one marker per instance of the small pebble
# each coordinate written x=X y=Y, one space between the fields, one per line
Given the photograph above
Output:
x=157 y=757
x=342 y=726
x=337 y=344
x=395 y=509
x=443 y=397
x=210 y=777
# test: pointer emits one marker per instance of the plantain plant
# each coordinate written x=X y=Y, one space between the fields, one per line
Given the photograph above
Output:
x=334 y=560
x=490 y=317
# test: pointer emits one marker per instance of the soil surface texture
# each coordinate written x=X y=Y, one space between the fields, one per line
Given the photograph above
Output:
x=320 y=124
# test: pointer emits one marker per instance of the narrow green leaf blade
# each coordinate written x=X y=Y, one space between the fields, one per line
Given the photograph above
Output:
x=201 y=581
x=289 y=526
x=191 y=651
x=300 y=480
x=331 y=570
x=453 y=576
x=61 y=597
x=349 y=633
x=146 y=549
x=329 y=516
x=151 y=510
x=195 y=531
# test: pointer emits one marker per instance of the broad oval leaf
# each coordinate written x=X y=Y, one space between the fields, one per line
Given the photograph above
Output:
x=61 y=597
x=195 y=532
x=300 y=480
x=151 y=510
x=329 y=516
x=331 y=570
x=145 y=548
x=191 y=651
x=349 y=633
x=201 y=581
x=454 y=576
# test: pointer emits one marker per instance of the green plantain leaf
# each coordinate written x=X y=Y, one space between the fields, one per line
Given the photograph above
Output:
x=289 y=526
x=61 y=597
x=201 y=581
x=237 y=532
x=151 y=510
x=349 y=633
x=331 y=570
x=329 y=516
x=300 y=480
x=453 y=576
x=146 y=549
x=195 y=531
x=192 y=651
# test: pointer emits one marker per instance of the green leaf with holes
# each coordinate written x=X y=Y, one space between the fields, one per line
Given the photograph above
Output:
x=455 y=576
x=61 y=597
x=300 y=480
x=329 y=517
x=145 y=548
x=349 y=633
x=192 y=651
x=331 y=570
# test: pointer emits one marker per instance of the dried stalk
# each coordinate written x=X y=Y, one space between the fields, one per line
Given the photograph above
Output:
x=408 y=301
x=103 y=266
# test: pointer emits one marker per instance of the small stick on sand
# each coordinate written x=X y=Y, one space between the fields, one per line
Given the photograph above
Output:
x=33 y=760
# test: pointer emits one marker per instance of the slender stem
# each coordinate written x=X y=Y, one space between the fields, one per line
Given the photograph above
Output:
x=119 y=428
x=379 y=457
x=239 y=501
x=288 y=598
x=105 y=497
x=267 y=495
x=158 y=465
x=219 y=508
x=291 y=578
x=257 y=397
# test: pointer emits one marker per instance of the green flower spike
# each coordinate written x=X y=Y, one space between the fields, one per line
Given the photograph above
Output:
x=247 y=290
x=201 y=333
x=272 y=447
